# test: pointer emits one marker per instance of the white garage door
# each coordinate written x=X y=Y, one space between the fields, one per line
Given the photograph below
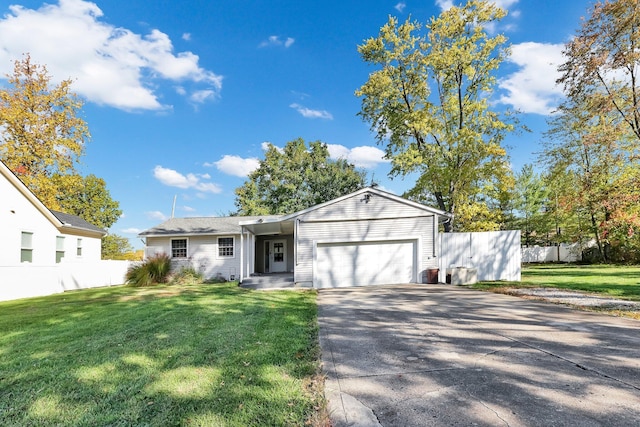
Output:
x=365 y=263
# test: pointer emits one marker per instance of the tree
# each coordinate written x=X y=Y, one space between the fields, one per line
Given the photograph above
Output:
x=41 y=132
x=116 y=247
x=296 y=178
x=88 y=198
x=600 y=79
x=592 y=170
x=602 y=63
x=428 y=103
x=532 y=197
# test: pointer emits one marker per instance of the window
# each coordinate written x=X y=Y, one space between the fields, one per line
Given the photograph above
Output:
x=179 y=248
x=59 y=248
x=26 y=247
x=278 y=252
x=79 y=247
x=225 y=247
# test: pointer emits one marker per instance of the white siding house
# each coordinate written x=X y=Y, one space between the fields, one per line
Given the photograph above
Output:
x=31 y=233
x=43 y=251
x=369 y=237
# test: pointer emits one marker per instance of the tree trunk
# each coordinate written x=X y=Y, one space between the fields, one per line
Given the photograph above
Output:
x=448 y=225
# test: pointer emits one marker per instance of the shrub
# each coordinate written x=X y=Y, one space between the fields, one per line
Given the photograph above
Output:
x=152 y=271
x=186 y=276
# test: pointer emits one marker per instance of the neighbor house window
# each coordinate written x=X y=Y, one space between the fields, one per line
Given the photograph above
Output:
x=59 y=248
x=179 y=248
x=26 y=247
x=225 y=246
x=79 y=247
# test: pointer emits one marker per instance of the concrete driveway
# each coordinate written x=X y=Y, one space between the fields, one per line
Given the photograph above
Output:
x=441 y=355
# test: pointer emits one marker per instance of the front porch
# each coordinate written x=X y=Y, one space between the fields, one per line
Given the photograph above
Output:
x=271 y=281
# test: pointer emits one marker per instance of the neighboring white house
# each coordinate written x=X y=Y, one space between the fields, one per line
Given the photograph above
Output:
x=369 y=237
x=31 y=233
x=44 y=252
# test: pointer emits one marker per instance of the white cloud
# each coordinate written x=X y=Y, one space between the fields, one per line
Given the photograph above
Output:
x=266 y=144
x=186 y=37
x=188 y=209
x=236 y=165
x=400 y=6
x=444 y=4
x=364 y=156
x=173 y=178
x=110 y=65
x=157 y=215
x=533 y=89
x=276 y=41
x=312 y=114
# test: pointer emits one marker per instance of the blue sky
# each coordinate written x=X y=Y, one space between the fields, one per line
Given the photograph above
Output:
x=181 y=97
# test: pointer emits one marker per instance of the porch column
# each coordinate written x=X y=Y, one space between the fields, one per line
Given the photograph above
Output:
x=241 y=253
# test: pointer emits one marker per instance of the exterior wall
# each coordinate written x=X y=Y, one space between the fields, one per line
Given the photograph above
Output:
x=495 y=254
x=202 y=254
x=27 y=280
x=354 y=219
x=19 y=215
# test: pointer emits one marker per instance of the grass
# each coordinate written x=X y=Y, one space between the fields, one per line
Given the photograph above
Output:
x=621 y=282
x=194 y=355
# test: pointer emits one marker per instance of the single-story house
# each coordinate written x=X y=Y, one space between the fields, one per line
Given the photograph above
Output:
x=33 y=235
x=368 y=237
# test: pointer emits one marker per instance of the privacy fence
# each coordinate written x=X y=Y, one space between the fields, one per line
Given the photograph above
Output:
x=495 y=254
x=28 y=280
x=561 y=253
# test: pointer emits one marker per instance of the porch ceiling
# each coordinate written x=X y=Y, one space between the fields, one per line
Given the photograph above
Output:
x=267 y=227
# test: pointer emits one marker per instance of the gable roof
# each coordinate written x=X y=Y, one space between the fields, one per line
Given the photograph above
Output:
x=62 y=221
x=370 y=190
x=74 y=221
x=203 y=225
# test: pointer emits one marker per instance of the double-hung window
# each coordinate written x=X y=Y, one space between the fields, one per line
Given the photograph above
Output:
x=178 y=248
x=79 y=248
x=26 y=247
x=59 y=249
x=225 y=247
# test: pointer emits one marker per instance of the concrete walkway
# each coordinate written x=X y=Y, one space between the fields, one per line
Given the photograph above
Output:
x=441 y=355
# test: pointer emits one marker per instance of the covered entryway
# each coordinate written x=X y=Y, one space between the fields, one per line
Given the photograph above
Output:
x=344 y=264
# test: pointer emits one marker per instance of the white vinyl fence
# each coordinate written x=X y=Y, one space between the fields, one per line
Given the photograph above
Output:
x=562 y=253
x=495 y=254
x=24 y=281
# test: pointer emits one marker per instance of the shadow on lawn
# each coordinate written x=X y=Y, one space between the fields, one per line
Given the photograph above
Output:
x=198 y=355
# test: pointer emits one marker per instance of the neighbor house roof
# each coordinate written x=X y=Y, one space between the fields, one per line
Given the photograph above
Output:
x=76 y=222
x=203 y=225
x=63 y=222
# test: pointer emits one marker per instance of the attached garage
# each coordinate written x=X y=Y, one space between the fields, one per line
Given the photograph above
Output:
x=365 y=263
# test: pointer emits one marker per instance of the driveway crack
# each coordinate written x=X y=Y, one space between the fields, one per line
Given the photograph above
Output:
x=564 y=359
x=488 y=407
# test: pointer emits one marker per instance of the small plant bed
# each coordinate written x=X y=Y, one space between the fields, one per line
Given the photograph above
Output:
x=197 y=355
x=605 y=288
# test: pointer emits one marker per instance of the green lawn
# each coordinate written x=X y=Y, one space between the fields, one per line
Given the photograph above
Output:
x=209 y=355
x=614 y=281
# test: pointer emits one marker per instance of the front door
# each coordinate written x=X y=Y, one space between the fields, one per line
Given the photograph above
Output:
x=277 y=256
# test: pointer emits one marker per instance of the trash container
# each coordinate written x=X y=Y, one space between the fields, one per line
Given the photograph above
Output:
x=432 y=275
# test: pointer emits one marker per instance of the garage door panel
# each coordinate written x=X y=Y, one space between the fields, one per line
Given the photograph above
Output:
x=365 y=263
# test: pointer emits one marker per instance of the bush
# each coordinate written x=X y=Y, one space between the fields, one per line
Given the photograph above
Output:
x=150 y=272
x=186 y=276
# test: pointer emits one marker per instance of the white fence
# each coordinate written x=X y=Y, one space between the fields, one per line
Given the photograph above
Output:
x=562 y=253
x=495 y=254
x=24 y=281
